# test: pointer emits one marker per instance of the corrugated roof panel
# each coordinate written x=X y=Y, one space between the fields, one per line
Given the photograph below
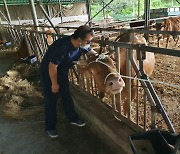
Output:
x=25 y=2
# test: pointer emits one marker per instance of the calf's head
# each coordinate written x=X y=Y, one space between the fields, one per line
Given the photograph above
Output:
x=104 y=72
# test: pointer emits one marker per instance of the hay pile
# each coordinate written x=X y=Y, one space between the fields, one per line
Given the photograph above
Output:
x=20 y=93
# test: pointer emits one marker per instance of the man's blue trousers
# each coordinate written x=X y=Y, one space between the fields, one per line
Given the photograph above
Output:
x=50 y=100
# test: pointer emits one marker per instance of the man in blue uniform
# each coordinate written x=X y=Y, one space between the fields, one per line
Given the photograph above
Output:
x=54 y=76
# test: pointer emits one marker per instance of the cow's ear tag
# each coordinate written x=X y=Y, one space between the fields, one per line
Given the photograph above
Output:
x=102 y=56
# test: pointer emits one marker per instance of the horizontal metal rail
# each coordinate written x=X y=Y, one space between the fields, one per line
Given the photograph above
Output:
x=165 y=51
x=122 y=30
x=37 y=40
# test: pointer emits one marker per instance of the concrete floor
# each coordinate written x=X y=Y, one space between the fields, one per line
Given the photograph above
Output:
x=29 y=137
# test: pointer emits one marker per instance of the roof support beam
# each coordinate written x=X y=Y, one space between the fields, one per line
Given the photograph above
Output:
x=34 y=14
x=146 y=16
x=147 y=13
x=88 y=6
x=45 y=13
x=7 y=11
x=60 y=10
x=5 y=18
x=138 y=9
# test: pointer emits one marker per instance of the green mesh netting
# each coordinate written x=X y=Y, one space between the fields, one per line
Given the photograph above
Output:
x=25 y=2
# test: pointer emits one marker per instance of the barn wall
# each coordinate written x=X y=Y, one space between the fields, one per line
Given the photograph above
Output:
x=23 y=12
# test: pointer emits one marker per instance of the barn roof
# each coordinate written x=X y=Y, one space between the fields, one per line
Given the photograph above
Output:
x=25 y=2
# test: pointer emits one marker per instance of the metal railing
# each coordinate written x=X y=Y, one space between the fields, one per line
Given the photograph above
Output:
x=142 y=112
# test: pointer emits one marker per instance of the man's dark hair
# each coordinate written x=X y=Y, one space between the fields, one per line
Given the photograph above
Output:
x=81 y=32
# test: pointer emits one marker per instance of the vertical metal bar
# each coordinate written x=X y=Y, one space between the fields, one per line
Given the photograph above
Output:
x=172 y=4
x=42 y=42
x=88 y=84
x=103 y=9
x=18 y=37
x=49 y=11
x=15 y=36
x=133 y=6
x=153 y=116
x=60 y=10
x=146 y=16
x=26 y=40
x=11 y=34
x=138 y=9
x=147 y=13
x=40 y=53
x=113 y=104
x=71 y=76
x=137 y=104
x=145 y=108
x=21 y=34
x=118 y=66
x=45 y=39
x=88 y=6
x=96 y=89
x=91 y=83
x=102 y=44
x=83 y=83
x=128 y=83
x=29 y=40
x=32 y=35
x=7 y=11
x=77 y=79
x=93 y=87
x=34 y=15
x=129 y=55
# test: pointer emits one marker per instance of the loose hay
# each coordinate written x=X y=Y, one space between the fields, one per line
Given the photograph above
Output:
x=20 y=93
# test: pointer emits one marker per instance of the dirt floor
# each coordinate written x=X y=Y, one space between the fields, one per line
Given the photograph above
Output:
x=167 y=70
x=22 y=118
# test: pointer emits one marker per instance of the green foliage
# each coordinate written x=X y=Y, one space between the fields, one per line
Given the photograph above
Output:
x=121 y=9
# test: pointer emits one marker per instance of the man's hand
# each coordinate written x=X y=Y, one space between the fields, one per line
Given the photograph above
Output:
x=55 y=88
x=92 y=52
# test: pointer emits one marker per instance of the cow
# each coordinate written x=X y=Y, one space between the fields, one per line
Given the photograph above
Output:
x=148 y=64
x=103 y=69
x=106 y=76
x=171 y=24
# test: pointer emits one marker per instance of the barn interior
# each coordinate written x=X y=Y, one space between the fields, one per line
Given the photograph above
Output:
x=29 y=27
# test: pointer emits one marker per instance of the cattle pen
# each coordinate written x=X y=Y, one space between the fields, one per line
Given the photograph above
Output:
x=147 y=110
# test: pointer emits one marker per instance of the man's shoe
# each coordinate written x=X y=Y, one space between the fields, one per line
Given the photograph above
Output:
x=52 y=133
x=79 y=123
